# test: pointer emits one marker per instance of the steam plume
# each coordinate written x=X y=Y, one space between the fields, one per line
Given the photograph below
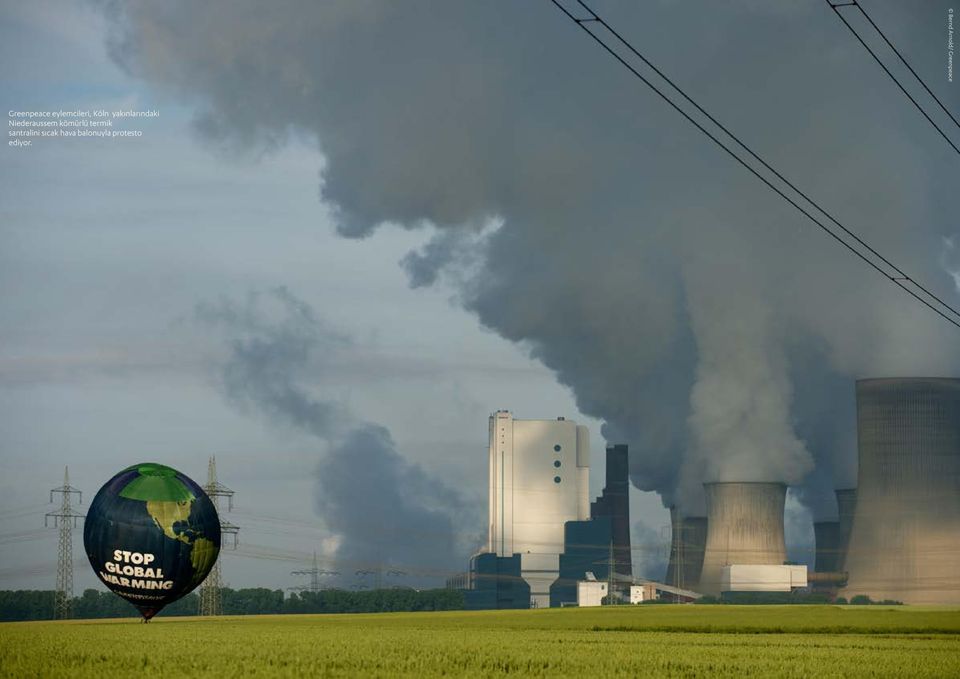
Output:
x=674 y=294
x=384 y=509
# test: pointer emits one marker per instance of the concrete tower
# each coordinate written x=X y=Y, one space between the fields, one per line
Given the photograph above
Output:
x=827 y=536
x=688 y=539
x=906 y=527
x=539 y=480
x=744 y=526
x=846 y=504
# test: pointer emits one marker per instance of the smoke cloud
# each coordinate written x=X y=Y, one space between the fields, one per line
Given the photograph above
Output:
x=384 y=509
x=388 y=510
x=677 y=297
x=651 y=551
x=272 y=338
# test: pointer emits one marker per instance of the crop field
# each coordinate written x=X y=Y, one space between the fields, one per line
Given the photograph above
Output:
x=657 y=641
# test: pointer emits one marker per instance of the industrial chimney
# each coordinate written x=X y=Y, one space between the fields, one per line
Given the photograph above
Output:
x=846 y=504
x=689 y=536
x=906 y=526
x=744 y=526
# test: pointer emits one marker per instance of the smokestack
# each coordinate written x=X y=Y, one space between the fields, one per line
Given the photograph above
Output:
x=846 y=505
x=689 y=536
x=744 y=526
x=827 y=535
x=906 y=526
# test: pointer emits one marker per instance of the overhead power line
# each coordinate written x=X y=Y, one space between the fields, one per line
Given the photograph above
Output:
x=848 y=239
x=853 y=3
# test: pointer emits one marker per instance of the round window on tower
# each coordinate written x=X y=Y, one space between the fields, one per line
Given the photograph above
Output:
x=556 y=463
x=556 y=479
x=557 y=448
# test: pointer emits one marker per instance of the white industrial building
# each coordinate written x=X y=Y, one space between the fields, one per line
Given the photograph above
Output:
x=644 y=592
x=591 y=593
x=762 y=578
x=539 y=480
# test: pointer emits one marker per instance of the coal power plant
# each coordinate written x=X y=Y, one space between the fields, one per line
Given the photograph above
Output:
x=894 y=537
x=896 y=534
x=744 y=527
x=906 y=525
x=544 y=535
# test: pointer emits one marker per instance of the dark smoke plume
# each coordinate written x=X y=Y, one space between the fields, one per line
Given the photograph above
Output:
x=674 y=294
x=384 y=509
x=268 y=357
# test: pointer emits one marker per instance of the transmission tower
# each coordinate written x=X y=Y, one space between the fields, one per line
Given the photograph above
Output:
x=394 y=573
x=314 y=574
x=611 y=563
x=66 y=520
x=211 y=602
x=610 y=574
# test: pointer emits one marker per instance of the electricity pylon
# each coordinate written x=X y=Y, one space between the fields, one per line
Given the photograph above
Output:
x=611 y=563
x=314 y=574
x=211 y=601
x=66 y=520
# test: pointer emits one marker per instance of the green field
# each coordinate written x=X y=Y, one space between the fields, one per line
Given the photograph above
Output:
x=661 y=641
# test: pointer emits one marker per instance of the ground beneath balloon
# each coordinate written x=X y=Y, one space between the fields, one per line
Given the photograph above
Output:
x=659 y=641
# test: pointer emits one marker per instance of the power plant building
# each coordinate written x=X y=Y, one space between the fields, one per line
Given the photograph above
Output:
x=496 y=583
x=591 y=546
x=586 y=550
x=744 y=526
x=539 y=480
x=614 y=503
x=905 y=536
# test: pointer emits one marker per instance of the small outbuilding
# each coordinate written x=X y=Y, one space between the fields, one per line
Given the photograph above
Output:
x=591 y=593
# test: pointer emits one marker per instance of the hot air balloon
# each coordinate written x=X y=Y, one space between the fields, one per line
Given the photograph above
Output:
x=152 y=535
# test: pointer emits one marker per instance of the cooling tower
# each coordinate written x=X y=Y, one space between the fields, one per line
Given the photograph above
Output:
x=689 y=536
x=744 y=526
x=846 y=504
x=827 y=536
x=906 y=527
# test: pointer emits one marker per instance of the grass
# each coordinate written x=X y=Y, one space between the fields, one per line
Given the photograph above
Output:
x=659 y=641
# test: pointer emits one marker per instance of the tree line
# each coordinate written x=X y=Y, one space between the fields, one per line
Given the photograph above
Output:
x=39 y=604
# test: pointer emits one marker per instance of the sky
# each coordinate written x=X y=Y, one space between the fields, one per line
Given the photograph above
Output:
x=357 y=229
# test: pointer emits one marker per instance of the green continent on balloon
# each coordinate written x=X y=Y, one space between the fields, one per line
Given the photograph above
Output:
x=202 y=556
x=166 y=514
x=156 y=482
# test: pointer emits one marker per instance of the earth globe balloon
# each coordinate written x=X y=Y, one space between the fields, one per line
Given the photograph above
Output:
x=152 y=535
